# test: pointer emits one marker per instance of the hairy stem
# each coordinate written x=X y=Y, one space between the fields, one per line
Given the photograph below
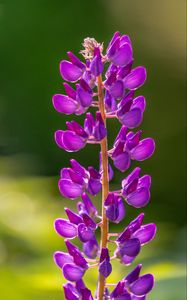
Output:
x=105 y=185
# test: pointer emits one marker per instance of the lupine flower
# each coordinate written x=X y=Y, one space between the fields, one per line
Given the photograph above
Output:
x=73 y=70
x=75 y=180
x=76 y=102
x=80 y=225
x=132 y=238
x=73 y=265
x=133 y=286
x=119 y=50
x=75 y=137
x=91 y=248
x=105 y=267
x=77 y=291
x=128 y=146
x=115 y=99
x=115 y=209
x=135 y=189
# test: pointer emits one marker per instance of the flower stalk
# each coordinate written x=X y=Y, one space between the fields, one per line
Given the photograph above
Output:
x=105 y=185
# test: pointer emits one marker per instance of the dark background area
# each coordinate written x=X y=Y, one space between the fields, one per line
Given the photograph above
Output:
x=34 y=37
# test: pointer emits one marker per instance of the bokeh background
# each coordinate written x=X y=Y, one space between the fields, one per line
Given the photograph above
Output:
x=34 y=37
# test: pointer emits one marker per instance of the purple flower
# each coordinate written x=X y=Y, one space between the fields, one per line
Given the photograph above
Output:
x=75 y=180
x=73 y=263
x=105 y=267
x=77 y=291
x=130 y=111
x=73 y=70
x=65 y=228
x=76 y=102
x=132 y=238
x=119 y=51
x=75 y=137
x=91 y=248
x=115 y=209
x=128 y=146
x=80 y=225
x=133 y=286
x=96 y=65
x=136 y=189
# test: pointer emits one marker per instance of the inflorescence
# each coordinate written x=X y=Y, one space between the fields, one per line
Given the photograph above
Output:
x=113 y=97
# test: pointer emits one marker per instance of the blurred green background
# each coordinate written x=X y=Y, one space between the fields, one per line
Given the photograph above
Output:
x=34 y=37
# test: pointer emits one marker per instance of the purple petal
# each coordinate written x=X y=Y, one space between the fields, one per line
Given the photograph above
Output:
x=59 y=138
x=124 y=236
x=84 y=97
x=88 y=221
x=114 y=38
x=123 y=55
x=78 y=168
x=73 y=142
x=133 y=175
x=86 y=294
x=76 y=177
x=89 y=124
x=133 y=275
x=69 y=90
x=122 y=161
x=138 y=199
x=143 y=150
x=127 y=260
x=96 y=66
x=124 y=71
x=117 y=89
x=80 y=285
x=76 y=254
x=131 y=247
x=99 y=129
x=64 y=173
x=130 y=188
x=142 y=285
x=91 y=209
x=91 y=248
x=69 y=71
x=73 y=217
x=70 y=292
x=116 y=212
x=72 y=272
x=85 y=234
x=104 y=254
x=145 y=181
x=139 y=102
x=94 y=186
x=61 y=258
x=105 y=268
x=133 y=139
x=65 y=228
x=125 y=39
x=135 y=78
x=136 y=223
x=64 y=104
x=70 y=189
x=146 y=233
x=118 y=291
x=132 y=119
x=75 y=60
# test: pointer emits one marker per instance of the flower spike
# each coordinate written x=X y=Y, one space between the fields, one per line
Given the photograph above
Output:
x=108 y=83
